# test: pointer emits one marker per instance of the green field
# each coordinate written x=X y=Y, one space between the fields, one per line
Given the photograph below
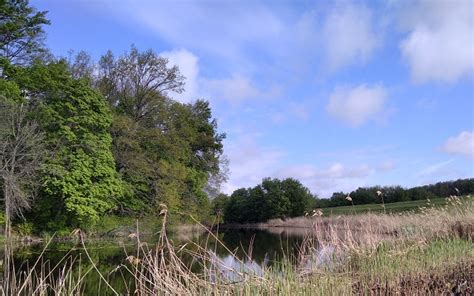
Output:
x=396 y=207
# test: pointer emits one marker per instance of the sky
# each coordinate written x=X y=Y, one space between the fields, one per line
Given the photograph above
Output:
x=338 y=94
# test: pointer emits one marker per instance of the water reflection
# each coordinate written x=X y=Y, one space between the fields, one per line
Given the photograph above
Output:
x=229 y=269
x=234 y=254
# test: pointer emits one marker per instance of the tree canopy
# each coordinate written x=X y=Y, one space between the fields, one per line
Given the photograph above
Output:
x=116 y=140
x=273 y=198
x=21 y=31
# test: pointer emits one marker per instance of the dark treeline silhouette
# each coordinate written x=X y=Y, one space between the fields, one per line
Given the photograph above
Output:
x=274 y=198
x=368 y=195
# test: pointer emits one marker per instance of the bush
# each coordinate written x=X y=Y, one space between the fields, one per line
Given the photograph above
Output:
x=25 y=228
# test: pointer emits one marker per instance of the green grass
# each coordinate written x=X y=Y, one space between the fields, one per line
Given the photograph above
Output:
x=396 y=207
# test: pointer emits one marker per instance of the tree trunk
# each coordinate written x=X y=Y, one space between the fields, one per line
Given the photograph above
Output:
x=7 y=209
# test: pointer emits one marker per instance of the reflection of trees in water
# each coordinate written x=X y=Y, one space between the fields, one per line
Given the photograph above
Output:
x=262 y=244
x=19 y=260
x=264 y=247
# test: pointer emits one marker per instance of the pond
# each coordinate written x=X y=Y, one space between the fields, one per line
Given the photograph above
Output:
x=249 y=250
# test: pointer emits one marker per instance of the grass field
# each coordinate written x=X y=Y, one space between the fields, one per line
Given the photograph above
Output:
x=396 y=207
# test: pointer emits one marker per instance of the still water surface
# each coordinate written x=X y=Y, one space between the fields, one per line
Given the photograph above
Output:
x=265 y=247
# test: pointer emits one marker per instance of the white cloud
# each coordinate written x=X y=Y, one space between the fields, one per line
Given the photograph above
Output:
x=440 y=41
x=220 y=28
x=237 y=89
x=234 y=89
x=441 y=171
x=386 y=166
x=300 y=111
x=462 y=144
x=249 y=162
x=357 y=105
x=188 y=64
x=335 y=177
x=364 y=153
x=433 y=169
x=348 y=35
x=292 y=111
x=238 y=34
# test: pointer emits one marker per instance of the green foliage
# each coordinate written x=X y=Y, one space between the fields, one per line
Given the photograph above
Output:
x=368 y=195
x=391 y=208
x=218 y=205
x=9 y=91
x=271 y=199
x=117 y=142
x=20 y=30
x=79 y=180
x=25 y=228
x=166 y=151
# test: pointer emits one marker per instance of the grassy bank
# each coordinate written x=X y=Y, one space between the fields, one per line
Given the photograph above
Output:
x=429 y=252
x=390 y=208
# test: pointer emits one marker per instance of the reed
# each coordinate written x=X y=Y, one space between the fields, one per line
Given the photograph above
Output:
x=430 y=252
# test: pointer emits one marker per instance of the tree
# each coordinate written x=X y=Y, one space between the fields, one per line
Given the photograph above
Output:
x=21 y=156
x=79 y=180
x=167 y=152
x=81 y=65
x=299 y=197
x=273 y=198
x=21 y=31
x=136 y=82
x=218 y=205
x=217 y=178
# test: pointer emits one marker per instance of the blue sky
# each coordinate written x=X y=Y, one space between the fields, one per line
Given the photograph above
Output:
x=338 y=94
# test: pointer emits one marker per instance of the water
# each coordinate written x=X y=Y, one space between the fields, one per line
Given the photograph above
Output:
x=257 y=249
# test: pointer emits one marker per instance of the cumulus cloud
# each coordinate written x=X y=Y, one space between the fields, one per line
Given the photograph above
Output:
x=236 y=89
x=440 y=42
x=325 y=181
x=462 y=144
x=188 y=64
x=434 y=168
x=334 y=171
x=293 y=111
x=348 y=35
x=386 y=166
x=249 y=162
x=287 y=36
x=357 y=105
x=220 y=28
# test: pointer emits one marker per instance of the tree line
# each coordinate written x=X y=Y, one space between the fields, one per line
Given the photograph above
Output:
x=81 y=139
x=275 y=198
x=368 y=195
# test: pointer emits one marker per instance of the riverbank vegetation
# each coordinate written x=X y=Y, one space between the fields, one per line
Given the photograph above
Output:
x=429 y=252
x=80 y=140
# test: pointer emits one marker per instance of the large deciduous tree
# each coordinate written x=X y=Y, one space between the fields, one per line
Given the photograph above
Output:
x=167 y=151
x=21 y=31
x=273 y=198
x=79 y=181
x=21 y=153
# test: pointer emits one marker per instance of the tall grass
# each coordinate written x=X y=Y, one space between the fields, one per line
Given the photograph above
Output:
x=358 y=249
x=41 y=277
x=412 y=253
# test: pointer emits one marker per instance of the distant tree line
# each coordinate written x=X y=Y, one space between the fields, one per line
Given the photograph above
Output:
x=273 y=198
x=368 y=195
x=80 y=139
